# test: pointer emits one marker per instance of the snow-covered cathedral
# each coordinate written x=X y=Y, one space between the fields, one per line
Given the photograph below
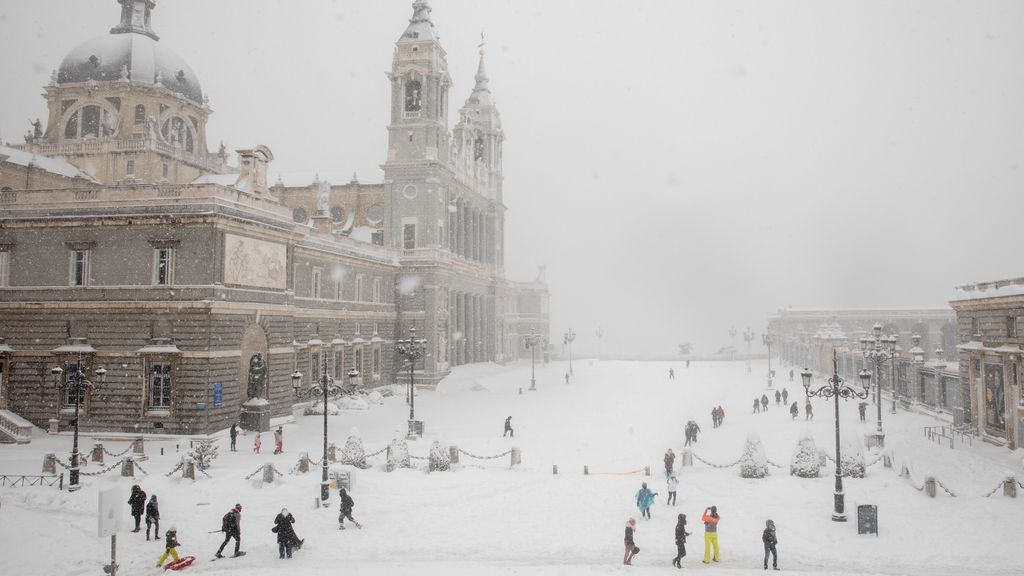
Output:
x=125 y=243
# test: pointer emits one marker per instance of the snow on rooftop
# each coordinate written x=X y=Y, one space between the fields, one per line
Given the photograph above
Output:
x=221 y=179
x=996 y=289
x=53 y=165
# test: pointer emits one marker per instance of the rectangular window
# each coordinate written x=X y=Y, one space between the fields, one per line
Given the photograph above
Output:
x=376 y=289
x=359 y=288
x=358 y=365
x=357 y=328
x=165 y=170
x=162 y=266
x=4 y=266
x=159 y=396
x=338 y=288
x=314 y=366
x=974 y=327
x=339 y=364
x=79 y=268
x=129 y=168
x=1011 y=326
x=316 y=283
x=409 y=236
x=376 y=360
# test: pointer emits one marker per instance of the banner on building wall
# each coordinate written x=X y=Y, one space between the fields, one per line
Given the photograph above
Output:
x=218 y=395
x=251 y=262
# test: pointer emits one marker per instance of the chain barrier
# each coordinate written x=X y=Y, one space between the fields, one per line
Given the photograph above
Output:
x=877 y=460
x=104 y=471
x=258 y=470
x=715 y=465
x=994 y=490
x=176 y=468
x=203 y=472
x=946 y=490
x=276 y=471
x=773 y=463
x=506 y=453
x=418 y=457
x=112 y=455
x=142 y=469
x=381 y=451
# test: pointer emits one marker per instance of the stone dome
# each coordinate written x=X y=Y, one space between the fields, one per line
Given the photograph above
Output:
x=133 y=49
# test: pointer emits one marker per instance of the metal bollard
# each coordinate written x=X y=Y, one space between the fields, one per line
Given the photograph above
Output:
x=304 y=462
x=554 y=469
x=139 y=446
x=127 y=468
x=189 y=469
x=453 y=454
x=50 y=463
x=268 y=473
x=904 y=471
x=886 y=460
x=687 y=458
x=1010 y=487
x=97 y=453
x=517 y=456
x=332 y=453
x=647 y=470
x=929 y=486
x=161 y=451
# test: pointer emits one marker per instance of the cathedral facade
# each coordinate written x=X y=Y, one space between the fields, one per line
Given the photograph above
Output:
x=127 y=245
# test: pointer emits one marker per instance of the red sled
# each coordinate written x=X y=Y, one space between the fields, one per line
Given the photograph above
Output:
x=180 y=563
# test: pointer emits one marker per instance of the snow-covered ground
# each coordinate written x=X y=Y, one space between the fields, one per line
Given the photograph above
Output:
x=485 y=518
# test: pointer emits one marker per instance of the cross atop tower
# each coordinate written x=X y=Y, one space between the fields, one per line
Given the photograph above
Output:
x=135 y=17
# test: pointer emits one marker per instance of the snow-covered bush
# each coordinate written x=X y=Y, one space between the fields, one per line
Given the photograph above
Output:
x=375 y=398
x=353 y=453
x=317 y=409
x=853 y=461
x=386 y=391
x=754 y=462
x=353 y=403
x=806 y=461
x=203 y=454
x=398 y=455
x=440 y=460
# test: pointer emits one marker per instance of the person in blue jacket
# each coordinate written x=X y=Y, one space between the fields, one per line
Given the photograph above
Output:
x=644 y=500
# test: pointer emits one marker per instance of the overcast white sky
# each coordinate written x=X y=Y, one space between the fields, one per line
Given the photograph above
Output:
x=680 y=167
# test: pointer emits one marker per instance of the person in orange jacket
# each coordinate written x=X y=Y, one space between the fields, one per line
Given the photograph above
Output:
x=710 y=521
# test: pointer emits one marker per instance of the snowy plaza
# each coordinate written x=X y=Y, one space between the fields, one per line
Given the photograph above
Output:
x=483 y=517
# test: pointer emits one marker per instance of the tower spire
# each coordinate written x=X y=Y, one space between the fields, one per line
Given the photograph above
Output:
x=420 y=27
x=135 y=17
x=481 y=94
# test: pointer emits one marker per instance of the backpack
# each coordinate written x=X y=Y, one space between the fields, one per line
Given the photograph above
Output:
x=227 y=522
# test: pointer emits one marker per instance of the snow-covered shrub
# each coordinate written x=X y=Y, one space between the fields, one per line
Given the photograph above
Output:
x=398 y=455
x=353 y=403
x=203 y=454
x=317 y=409
x=386 y=391
x=805 y=462
x=478 y=387
x=353 y=453
x=853 y=462
x=754 y=462
x=375 y=397
x=440 y=460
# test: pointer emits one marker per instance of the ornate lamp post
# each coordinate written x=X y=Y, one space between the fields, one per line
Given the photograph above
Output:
x=411 y=349
x=878 y=350
x=600 y=334
x=328 y=389
x=77 y=384
x=531 y=342
x=837 y=388
x=768 y=339
x=748 y=335
x=568 y=339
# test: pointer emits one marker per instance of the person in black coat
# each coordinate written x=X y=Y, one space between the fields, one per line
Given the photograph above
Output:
x=153 y=518
x=681 y=535
x=138 y=503
x=231 y=526
x=769 y=540
x=234 y=436
x=286 y=538
x=346 y=510
x=508 y=428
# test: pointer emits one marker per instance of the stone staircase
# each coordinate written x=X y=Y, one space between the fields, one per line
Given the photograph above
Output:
x=14 y=429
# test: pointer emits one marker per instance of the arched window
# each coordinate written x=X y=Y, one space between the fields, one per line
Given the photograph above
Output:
x=413 y=95
x=71 y=128
x=140 y=114
x=90 y=121
x=176 y=133
x=478 y=149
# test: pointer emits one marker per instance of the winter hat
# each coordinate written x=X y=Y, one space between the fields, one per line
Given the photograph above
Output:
x=173 y=528
x=152 y=498
x=770 y=525
x=238 y=508
x=645 y=484
x=682 y=518
x=632 y=521
x=285 y=511
x=714 y=510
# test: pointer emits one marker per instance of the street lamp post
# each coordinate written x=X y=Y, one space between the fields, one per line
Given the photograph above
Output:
x=77 y=383
x=327 y=388
x=768 y=339
x=531 y=342
x=568 y=339
x=732 y=341
x=748 y=335
x=411 y=349
x=837 y=388
x=878 y=350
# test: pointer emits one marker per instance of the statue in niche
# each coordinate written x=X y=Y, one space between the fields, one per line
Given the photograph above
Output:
x=323 y=198
x=37 y=129
x=257 y=375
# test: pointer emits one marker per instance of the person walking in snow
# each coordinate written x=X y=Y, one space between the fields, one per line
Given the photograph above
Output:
x=234 y=436
x=721 y=414
x=257 y=443
x=671 y=374
x=673 y=485
x=644 y=500
x=757 y=405
x=171 y=542
x=710 y=519
x=687 y=363
x=794 y=410
x=153 y=518
x=694 y=429
x=714 y=417
x=566 y=377
x=346 y=510
x=785 y=396
x=508 y=428
x=670 y=460
x=681 y=535
x=791 y=375
x=231 y=526
x=631 y=547
x=863 y=409
x=278 y=440
x=778 y=397
x=137 y=500
x=286 y=537
x=764 y=402
x=808 y=410
x=768 y=537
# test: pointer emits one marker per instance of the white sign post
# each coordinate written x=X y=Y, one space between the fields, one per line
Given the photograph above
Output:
x=110 y=513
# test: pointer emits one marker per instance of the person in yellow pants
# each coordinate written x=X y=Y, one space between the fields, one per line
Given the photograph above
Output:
x=172 y=544
x=710 y=519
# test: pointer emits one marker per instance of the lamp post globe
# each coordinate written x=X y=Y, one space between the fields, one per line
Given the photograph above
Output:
x=325 y=388
x=77 y=384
